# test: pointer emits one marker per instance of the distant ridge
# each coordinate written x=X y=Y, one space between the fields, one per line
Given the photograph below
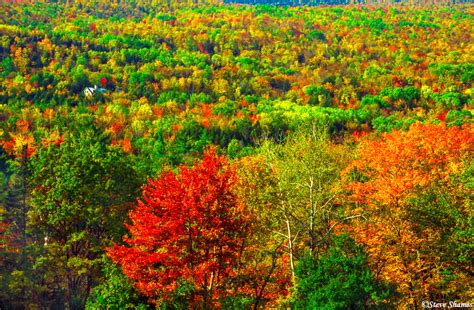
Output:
x=251 y=2
x=348 y=2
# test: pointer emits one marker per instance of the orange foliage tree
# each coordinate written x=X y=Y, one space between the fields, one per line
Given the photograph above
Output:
x=411 y=192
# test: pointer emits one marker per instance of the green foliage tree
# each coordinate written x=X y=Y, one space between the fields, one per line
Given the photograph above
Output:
x=339 y=279
x=7 y=66
x=318 y=95
x=21 y=282
x=80 y=80
x=80 y=194
x=115 y=292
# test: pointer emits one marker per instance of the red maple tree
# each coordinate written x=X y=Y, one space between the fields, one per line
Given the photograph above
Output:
x=103 y=81
x=190 y=227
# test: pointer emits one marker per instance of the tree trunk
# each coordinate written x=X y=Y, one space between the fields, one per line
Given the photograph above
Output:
x=290 y=249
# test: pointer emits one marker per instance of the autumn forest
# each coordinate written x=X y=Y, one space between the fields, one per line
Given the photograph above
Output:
x=207 y=155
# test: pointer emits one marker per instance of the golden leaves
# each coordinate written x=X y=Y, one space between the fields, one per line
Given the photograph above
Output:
x=391 y=171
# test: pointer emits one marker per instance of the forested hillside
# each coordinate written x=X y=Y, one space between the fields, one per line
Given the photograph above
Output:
x=348 y=2
x=166 y=154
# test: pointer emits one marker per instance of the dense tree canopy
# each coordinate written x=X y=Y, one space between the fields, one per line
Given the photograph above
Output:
x=345 y=140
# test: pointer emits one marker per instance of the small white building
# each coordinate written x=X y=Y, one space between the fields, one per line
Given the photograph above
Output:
x=89 y=92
